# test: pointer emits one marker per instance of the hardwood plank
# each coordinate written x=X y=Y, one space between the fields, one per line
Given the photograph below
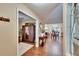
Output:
x=51 y=48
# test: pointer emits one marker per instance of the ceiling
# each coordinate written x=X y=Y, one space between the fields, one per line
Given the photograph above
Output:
x=47 y=12
x=23 y=17
x=56 y=16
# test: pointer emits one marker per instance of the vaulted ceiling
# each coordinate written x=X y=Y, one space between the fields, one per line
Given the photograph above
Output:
x=47 y=12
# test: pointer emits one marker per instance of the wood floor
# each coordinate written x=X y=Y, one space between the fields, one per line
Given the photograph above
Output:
x=51 y=48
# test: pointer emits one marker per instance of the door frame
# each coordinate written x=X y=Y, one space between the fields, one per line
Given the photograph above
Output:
x=17 y=21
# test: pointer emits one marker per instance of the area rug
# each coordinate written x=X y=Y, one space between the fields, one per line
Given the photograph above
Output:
x=23 y=47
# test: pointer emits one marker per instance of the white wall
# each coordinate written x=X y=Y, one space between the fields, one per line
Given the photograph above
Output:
x=65 y=50
x=8 y=30
x=37 y=33
x=66 y=27
x=8 y=36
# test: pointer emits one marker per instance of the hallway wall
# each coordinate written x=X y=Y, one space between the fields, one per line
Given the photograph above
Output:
x=8 y=30
x=67 y=26
x=8 y=36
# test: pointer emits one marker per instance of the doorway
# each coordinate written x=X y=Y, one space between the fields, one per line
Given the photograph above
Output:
x=26 y=33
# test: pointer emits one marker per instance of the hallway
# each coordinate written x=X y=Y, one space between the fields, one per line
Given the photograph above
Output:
x=19 y=28
x=51 y=48
x=50 y=18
